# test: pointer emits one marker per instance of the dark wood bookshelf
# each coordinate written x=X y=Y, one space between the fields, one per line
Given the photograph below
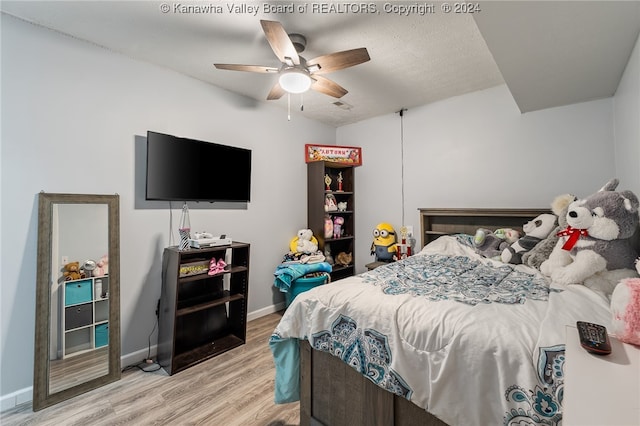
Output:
x=202 y=315
x=316 y=195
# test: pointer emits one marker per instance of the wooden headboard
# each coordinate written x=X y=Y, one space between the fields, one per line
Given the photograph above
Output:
x=437 y=222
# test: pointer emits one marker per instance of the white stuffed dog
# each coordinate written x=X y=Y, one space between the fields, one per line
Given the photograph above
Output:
x=305 y=242
x=595 y=249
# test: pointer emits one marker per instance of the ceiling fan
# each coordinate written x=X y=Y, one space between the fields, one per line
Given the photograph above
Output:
x=297 y=75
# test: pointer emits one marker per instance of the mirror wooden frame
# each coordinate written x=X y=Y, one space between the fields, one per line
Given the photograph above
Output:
x=42 y=397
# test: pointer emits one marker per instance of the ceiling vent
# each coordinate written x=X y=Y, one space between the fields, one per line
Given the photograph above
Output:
x=343 y=105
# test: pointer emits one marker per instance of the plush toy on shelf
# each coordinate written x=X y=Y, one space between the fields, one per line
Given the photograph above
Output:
x=327 y=255
x=328 y=227
x=102 y=267
x=490 y=244
x=338 y=221
x=87 y=268
x=71 y=271
x=596 y=249
x=330 y=203
x=384 y=242
x=535 y=231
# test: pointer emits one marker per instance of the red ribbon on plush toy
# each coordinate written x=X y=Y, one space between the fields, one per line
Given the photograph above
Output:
x=573 y=234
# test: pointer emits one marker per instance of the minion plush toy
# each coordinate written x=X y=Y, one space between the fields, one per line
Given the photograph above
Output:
x=384 y=242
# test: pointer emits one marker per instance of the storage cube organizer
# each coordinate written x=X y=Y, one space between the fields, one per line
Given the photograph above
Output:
x=102 y=335
x=78 y=316
x=79 y=291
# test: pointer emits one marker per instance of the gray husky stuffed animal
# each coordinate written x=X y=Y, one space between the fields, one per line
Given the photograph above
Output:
x=597 y=242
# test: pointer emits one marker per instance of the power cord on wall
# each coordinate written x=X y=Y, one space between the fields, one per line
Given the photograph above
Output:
x=401 y=113
x=406 y=230
x=148 y=365
x=170 y=225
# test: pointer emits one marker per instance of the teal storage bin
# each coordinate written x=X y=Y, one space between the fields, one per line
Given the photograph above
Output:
x=79 y=291
x=303 y=284
x=102 y=335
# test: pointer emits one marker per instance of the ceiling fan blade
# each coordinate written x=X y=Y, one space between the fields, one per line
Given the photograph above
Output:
x=276 y=92
x=328 y=87
x=249 y=68
x=339 y=60
x=280 y=42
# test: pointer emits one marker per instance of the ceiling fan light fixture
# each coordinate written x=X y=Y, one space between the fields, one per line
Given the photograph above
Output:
x=294 y=81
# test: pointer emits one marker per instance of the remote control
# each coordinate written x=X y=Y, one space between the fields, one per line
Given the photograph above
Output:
x=594 y=338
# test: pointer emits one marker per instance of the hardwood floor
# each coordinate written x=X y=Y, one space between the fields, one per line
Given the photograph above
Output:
x=232 y=389
x=68 y=372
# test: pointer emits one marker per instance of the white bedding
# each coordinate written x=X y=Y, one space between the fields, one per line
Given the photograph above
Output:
x=489 y=362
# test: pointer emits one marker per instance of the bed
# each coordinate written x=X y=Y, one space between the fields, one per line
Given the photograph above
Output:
x=443 y=337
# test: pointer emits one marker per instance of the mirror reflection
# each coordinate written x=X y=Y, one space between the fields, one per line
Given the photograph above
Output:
x=79 y=295
x=77 y=312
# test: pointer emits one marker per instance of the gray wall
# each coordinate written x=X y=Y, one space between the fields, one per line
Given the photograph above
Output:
x=627 y=123
x=74 y=120
x=478 y=150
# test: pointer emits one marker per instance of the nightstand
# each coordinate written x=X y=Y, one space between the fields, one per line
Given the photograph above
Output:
x=373 y=265
x=601 y=390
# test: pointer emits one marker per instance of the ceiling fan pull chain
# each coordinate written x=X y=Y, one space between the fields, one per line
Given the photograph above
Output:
x=288 y=106
x=301 y=101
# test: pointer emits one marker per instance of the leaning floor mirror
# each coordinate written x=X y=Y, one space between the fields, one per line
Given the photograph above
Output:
x=77 y=336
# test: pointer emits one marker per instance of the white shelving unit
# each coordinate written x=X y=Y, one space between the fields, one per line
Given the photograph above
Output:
x=85 y=318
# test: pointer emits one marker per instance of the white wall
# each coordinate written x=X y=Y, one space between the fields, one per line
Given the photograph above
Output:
x=74 y=117
x=476 y=150
x=627 y=124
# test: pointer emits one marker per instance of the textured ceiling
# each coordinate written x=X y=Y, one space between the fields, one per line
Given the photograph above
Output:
x=416 y=58
x=558 y=53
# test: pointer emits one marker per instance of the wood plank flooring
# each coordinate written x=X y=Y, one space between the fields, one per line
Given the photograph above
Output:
x=232 y=389
x=69 y=372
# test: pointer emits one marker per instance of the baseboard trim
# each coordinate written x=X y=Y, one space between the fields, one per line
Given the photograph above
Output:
x=16 y=398
x=135 y=358
x=22 y=396
x=265 y=311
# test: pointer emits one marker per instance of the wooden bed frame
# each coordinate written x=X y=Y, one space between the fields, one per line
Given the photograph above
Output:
x=332 y=393
x=437 y=222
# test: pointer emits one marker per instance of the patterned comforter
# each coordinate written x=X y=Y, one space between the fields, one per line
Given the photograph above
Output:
x=471 y=340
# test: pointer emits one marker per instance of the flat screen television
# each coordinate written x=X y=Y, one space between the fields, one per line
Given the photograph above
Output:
x=182 y=169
